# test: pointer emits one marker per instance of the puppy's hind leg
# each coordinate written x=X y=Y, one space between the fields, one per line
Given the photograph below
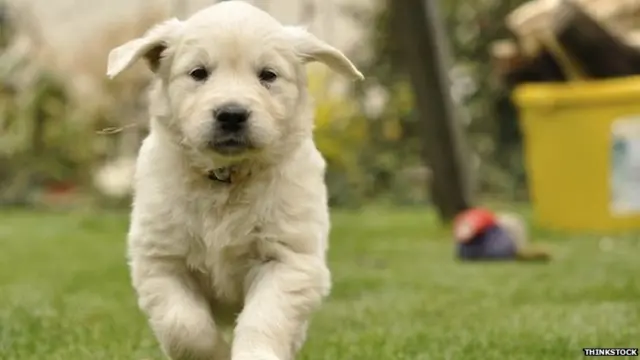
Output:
x=178 y=313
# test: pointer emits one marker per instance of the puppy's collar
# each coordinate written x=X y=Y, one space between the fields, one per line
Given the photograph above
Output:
x=223 y=175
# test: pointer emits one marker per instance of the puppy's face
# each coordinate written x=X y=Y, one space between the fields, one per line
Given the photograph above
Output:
x=233 y=88
x=231 y=78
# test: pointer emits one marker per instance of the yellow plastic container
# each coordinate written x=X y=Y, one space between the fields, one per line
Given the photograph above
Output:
x=577 y=181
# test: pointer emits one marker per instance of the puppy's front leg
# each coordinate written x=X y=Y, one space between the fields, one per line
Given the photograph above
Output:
x=177 y=311
x=282 y=295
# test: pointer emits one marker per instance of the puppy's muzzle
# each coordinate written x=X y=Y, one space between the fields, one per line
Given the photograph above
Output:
x=230 y=135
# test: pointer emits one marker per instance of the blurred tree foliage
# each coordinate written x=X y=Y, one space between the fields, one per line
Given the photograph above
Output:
x=38 y=143
x=369 y=155
x=370 y=137
x=393 y=136
x=49 y=123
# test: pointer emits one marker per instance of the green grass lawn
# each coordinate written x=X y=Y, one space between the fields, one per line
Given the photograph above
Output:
x=398 y=294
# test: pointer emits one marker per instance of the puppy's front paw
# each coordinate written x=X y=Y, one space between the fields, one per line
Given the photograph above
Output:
x=190 y=334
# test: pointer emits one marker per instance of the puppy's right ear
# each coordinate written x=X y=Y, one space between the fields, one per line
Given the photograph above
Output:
x=150 y=46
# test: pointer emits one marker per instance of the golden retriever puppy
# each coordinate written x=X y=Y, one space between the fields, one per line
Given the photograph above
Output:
x=230 y=219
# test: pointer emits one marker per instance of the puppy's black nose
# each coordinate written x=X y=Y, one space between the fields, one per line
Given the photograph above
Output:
x=231 y=117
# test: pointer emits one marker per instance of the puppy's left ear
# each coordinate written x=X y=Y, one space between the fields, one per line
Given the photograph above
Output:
x=309 y=48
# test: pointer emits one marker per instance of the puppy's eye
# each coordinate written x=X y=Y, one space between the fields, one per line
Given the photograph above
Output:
x=199 y=74
x=267 y=76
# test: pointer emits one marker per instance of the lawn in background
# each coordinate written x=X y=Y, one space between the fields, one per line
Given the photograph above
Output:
x=398 y=294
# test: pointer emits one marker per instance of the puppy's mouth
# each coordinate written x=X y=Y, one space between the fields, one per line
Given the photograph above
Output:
x=230 y=145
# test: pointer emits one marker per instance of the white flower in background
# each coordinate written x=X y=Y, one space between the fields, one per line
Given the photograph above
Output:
x=375 y=99
x=462 y=87
x=115 y=178
x=462 y=84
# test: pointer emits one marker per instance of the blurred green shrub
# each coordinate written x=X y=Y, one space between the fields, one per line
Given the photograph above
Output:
x=370 y=157
x=49 y=124
x=471 y=27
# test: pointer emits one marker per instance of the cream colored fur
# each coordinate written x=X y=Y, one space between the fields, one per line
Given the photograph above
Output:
x=250 y=254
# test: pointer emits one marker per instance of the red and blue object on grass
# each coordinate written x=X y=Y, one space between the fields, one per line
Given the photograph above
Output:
x=479 y=237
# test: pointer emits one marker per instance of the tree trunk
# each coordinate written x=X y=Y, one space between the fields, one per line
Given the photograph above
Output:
x=420 y=33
